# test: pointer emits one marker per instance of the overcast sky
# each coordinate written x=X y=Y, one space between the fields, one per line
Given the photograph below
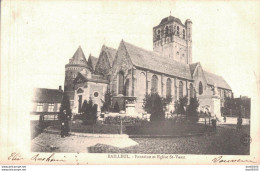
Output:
x=41 y=36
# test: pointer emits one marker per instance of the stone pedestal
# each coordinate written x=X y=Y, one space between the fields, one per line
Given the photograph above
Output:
x=215 y=109
x=130 y=109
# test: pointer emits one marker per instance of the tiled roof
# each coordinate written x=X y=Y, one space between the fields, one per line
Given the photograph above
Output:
x=111 y=53
x=92 y=61
x=170 y=19
x=193 y=67
x=153 y=61
x=78 y=58
x=217 y=80
x=43 y=95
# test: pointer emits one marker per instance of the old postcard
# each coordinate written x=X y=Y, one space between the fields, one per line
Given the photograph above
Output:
x=130 y=82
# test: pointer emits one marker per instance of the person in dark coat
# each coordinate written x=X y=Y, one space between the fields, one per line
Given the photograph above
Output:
x=65 y=117
x=214 y=124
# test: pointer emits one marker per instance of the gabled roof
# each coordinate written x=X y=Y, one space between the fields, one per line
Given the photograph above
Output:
x=193 y=67
x=94 y=78
x=92 y=61
x=43 y=95
x=153 y=61
x=111 y=52
x=217 y=80
x=78 y=58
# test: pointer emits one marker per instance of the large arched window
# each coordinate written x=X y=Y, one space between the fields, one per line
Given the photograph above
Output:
x=121 y=83
x=166 y=30
x=169 y=88
x=200 y=88
x=180 y=89
x=154 y=87
x=191 y=90
x=178 y=31
x=183 y=33
x=141 y=85
x=126 y=87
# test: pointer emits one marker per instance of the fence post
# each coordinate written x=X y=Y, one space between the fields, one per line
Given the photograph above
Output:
x=121 y=126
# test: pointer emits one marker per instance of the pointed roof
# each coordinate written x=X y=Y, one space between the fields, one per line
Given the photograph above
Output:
x=78 y=58
x=193 y=67
x=92 y=61
x=217 y=80
x=153 y=61
x=111 y=52
x=170 y=19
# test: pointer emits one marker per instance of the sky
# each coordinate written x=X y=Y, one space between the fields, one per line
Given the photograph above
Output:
x=41 y=36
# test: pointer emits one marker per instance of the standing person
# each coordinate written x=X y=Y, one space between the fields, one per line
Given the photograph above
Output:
x=239 y=123
x=65 y=117
x=214 y=123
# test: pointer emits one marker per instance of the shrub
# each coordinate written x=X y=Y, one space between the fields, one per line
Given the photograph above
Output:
x=89 y=112
x=156 y=106
x=126 y=120
x=65 y=105
x=192 y=108
x=107 y=103
x=116 y=107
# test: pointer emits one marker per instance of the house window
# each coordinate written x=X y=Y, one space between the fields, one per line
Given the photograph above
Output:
x=121 y=83
x=154 y=87
x=180 y=89
x=183 y=34
x=51 y=107
x=39 y=107
x=200 y=88
x=168 y=88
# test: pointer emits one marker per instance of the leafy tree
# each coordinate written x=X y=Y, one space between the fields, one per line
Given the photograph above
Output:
x=65 y=105
x=116 y=107
x=89 y=112
x=107 y=102
x=192 y=108
x=180 y=105
x=156 y=106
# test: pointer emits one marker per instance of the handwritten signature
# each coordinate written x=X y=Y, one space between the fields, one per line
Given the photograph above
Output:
x=51 y=158
x=220 y=159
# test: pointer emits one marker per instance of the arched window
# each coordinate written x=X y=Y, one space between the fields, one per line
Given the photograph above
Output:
x=180 y=89
x=154 y=87
x=169 y=88
x=191 y=90
x=158 y=34
x=183 y=33
x=127 y=88
x=200 y=88
x=178 y=31
x=141 y=85
x=121 y=83
x=166 y=30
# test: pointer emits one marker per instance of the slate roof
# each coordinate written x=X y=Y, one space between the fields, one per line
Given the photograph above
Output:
x=43 y=95
x=213 y=79
x=170 y=19
x=78 y=57
x=92 y=61
x=153 y=61
x=111 y=53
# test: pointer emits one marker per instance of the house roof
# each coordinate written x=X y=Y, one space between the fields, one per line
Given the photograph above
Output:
x=78 y=58
x=111 y=53
x=153 y=61
x=43 y=95
x=92 y=61
x=217 y=80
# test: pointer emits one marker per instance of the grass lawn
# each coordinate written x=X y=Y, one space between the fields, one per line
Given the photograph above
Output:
x=155 y=128
x=225 y=141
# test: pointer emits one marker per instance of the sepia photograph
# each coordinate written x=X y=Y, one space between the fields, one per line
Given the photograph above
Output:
x=130 y=82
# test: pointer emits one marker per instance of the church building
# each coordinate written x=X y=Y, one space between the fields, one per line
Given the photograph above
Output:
x=129 y=72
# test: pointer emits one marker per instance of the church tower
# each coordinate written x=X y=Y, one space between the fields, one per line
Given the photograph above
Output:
x=173 y=39
x=77 y=63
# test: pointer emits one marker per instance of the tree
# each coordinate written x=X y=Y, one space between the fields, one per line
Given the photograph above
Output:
x=116 y=107
x=180 y=105
x=156 y=106
x=65 y=105
x=192 y=108
x=107 y=103
x=89 y=112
